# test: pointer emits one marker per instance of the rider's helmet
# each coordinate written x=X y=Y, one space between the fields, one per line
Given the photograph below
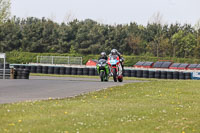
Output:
x=114 y=52
x=103 y=54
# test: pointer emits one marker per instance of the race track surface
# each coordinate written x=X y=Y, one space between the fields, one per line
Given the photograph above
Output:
x=42 y=87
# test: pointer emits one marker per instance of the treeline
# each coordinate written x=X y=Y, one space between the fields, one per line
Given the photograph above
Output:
x=90 y=37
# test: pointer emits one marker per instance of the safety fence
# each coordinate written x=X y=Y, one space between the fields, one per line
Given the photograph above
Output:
x=59 y=60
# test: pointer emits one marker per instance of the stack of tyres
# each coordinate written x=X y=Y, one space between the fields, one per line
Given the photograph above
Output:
x=169 y=75
x=91 y=71
x=79 y=71
x=22 y=66
x=50 y=70
x=62 y=70
x=68 y=70
x=45 y=69
x=151 y=74
x=21 y=73
x=158 y=74
x=85 y=71
x=133 y=73
x=16 y=66
x=125 y=73
x=163 y=75
x=96 y=73
x=38 y=69
x=56 y=70
x=139 y=73
x=181 y=75
x=74 y=71
x=145 y=74
x=128 y=73
x=33 y=69
x=187 y=75
x=175 y=75
x=28 y=68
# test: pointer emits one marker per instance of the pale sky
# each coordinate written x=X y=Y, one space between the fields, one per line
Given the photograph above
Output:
x=109 y=11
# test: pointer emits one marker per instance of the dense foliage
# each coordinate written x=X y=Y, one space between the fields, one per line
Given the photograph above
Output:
x=89 y=37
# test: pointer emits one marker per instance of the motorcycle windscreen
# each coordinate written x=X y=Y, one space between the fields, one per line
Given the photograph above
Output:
x=113 y=62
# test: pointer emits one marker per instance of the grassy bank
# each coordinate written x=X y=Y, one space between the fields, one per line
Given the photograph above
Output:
x=157 y=106
x=26 y=57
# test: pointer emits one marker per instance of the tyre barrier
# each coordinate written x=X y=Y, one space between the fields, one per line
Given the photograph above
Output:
x=151 y=74
x=145 y=74
x=175 y=75
x=188 y=75
x=157 y=74
x=79 y=71
x=74 y=71
x=56 y=70
x=92 y=72
x=181 y=75
x=139 y=73
x=33 y=69
x=50 y=70
x=38 y=69
x=127 y=73
x=163 y=75
x=169 y=75
x=21 y=73
x=86 y=71
x=62 y=70
x=96 y=73
x=45 y=69
x=133 y=73
x=68 y=70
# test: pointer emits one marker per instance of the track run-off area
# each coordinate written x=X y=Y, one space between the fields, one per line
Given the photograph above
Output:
x=44 y=87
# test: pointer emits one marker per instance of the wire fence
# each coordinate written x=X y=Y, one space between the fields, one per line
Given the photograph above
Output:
x=59 y=60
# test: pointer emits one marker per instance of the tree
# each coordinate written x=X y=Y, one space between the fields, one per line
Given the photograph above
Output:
x=4 y=10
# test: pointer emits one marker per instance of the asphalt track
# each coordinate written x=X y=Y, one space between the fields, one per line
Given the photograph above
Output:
x=42 y=87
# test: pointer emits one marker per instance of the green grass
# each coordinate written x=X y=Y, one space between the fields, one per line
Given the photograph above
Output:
x=159 y=106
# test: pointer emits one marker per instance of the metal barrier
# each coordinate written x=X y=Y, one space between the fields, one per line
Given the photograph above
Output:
x=59 y=60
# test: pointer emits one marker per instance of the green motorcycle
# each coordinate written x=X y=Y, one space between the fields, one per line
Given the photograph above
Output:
x=103 y=70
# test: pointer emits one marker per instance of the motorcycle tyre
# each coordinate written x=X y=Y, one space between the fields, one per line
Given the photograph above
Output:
x=120 y=79
x=114 y=75
x=102 y=75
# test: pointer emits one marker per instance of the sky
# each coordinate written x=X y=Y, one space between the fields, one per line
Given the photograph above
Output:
x=110 y=11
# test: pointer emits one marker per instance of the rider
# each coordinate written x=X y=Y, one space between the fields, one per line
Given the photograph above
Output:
x=121 y=59
x=103 y=56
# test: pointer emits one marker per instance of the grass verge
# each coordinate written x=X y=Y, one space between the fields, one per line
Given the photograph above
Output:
x=154 y=107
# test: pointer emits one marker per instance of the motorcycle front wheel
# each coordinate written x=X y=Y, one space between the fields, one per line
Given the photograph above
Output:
x=114 y=75
x=102 y=75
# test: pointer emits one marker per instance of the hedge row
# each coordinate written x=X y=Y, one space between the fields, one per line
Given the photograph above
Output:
x=26 y=57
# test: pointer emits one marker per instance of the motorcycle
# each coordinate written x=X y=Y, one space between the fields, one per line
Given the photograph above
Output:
x=116 y=68
x=103 y=70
